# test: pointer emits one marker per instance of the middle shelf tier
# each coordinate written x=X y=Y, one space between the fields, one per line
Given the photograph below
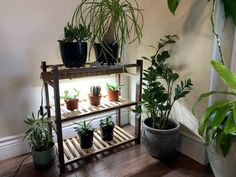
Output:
x=85 y=109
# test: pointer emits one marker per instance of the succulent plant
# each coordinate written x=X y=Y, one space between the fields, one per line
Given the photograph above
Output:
x=95 y=90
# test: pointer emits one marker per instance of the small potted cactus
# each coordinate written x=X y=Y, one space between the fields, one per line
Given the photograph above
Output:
x=113 y=91
x=107 y=126
x=85 y=132
x=71 y=100
x=95 y=95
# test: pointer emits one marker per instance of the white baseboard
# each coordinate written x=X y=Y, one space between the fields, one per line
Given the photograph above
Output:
x=14 y=145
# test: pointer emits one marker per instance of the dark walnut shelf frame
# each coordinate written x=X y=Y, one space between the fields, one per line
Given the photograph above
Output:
x=69 y=150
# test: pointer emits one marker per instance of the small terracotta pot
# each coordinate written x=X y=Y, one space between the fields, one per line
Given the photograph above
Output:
x=95 y=100
x=113 y=95
x=71 y=104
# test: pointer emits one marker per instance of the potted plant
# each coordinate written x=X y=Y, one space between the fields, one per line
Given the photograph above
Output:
x=112 y=24
x=40 y=140
x=106 y=127
x=218 y=125
x=85 y=132
x=113 y=91
x=73 y=47
x=71 y=100
x=160 y=131
x=95 y=95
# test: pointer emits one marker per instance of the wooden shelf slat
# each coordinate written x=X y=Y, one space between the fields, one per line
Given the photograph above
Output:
x=73 y=151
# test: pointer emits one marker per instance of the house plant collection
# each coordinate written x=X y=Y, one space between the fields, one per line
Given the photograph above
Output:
x=40 y=140
x=160 y=131
x=73 y=47
x=95 y=95
x=112 y=23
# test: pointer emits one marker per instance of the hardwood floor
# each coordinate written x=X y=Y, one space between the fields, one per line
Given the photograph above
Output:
x=125 y=161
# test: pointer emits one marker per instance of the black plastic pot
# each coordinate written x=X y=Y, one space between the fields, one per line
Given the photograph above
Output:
x=73 y=54
x=86 y=139
x=107 y=132
x=106 y=53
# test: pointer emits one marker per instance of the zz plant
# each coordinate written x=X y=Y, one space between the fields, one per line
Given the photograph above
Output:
x=159 y=89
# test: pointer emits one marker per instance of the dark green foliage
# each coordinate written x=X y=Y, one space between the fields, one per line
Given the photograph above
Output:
x=38 y=135
x=158 y=84
x=95 y=90
x=73 y=33
x=83 y=127
x=113 y=86
x=106 y=122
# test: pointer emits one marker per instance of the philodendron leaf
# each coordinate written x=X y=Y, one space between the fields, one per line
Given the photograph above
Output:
x=225 y=74
x=205 y=118
x=173 y=4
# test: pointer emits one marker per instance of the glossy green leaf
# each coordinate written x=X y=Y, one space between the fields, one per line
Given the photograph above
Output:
x=225 y=142
x=225 y=74
x=205 y=118
x=219 y=116
x=173 y=4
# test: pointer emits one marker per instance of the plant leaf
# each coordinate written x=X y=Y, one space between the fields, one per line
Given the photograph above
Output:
x=225 y=74
x=173 y=4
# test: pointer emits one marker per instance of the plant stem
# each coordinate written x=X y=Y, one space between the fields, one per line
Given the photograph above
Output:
x=215 y=33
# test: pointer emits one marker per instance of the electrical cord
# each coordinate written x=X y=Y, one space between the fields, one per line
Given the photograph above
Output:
x=16 y=172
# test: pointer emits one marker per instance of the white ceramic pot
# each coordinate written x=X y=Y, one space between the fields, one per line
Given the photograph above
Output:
x=222 y=166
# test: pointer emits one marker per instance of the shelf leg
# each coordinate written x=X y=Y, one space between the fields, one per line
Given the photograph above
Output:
x=118 y=110
x=58 y=120
x=139 y=73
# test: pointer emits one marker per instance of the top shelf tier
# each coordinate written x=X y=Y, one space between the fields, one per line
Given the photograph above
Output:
x=61 y=72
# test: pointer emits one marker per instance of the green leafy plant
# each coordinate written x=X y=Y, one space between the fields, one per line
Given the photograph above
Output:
x=73 y=33
x=113 y=86
x=38 y=135
x=83 y=127
x=106 y=122
x=159 y=80
x=95 y=90
x=67 y=95
x=229 y=5
x=110 y=21
x=218 y=122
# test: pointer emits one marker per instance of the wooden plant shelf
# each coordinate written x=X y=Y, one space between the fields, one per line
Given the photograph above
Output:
x=73 y=152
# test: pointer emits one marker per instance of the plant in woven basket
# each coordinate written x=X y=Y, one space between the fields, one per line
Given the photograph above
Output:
x=85 y=132
x=95 y=95
x=106 y=127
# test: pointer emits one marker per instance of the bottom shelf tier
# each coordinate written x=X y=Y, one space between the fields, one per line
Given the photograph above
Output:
x=73 y=152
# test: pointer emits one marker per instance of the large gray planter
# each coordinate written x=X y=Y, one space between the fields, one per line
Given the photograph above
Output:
x=161 y=144
x=222 y=166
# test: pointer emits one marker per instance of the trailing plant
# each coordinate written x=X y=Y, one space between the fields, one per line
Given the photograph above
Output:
x=73 y=33
x=159 y=90
x=113 y=86
x=83 y=127
x=67 y=95
x=38 y=135
x=106 y=122
x=110 y=21
x=229 y=5
x=95 y=90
